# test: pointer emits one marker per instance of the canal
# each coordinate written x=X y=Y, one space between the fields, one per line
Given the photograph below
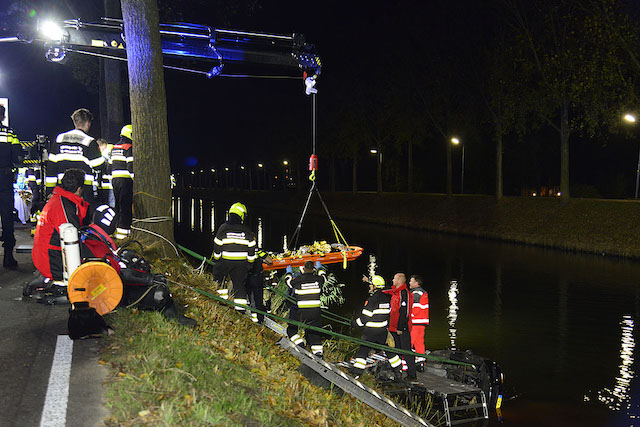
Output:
x=561 y=325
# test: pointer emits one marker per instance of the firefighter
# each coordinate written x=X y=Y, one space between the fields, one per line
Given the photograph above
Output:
x=75 y=149
x=419 y=315
x=105 y=189
x=121 y=166
x=10 y=150
x=400 y=322
x=65 y=206
x=234 y=249
x=255 y=284
x=306 y=288
x=375 y=320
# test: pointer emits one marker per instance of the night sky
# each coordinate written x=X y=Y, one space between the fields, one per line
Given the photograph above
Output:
x=225 y=121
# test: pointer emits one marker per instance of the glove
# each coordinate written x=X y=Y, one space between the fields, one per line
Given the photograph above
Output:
x=289 y=269
x=317 y=265
x=310 y=82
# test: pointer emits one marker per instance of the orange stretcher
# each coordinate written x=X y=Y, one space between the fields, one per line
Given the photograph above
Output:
x=347 y=254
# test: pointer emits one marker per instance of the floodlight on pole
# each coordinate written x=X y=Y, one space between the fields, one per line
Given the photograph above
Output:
x=456 y=141
x=630 y=118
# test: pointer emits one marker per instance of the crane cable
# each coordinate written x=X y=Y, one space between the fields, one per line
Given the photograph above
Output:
x=313 y=165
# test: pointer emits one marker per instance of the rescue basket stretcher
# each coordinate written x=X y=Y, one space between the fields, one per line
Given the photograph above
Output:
x=345 y=255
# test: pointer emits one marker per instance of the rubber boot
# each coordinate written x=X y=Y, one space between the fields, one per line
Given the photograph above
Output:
x=171 y=312
x=9 y=261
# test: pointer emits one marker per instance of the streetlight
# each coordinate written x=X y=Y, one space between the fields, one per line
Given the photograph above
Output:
x=630 y=118
x=378 y=168
x=456 y=141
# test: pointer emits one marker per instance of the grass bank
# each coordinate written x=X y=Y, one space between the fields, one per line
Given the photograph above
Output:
x=607 y=227
x=226 y=371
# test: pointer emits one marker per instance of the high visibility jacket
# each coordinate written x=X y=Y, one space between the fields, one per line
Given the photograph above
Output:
x=234 y=242
x=401 y=302
x=307 y=288
x=376 y=310
x=10 y=149
x=105 y=176
x=420 y=308
x=64 y=206
x=121 y=163
x=73 y=149
x=34 y=175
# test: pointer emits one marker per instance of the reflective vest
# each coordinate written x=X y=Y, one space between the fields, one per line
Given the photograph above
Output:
x=376 y=310
x=121 y=163
x=9 y=148
x=234 y=242
x=307 y=288
x=73 y=149
x=420 y=308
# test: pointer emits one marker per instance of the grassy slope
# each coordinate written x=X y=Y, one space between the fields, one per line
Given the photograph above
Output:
x=227 y=371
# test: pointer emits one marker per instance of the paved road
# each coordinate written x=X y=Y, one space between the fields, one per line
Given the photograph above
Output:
x=28 y=335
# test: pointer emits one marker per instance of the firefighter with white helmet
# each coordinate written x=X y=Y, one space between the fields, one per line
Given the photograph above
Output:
x=121 y=171
x=234 y=249
x=375 y=320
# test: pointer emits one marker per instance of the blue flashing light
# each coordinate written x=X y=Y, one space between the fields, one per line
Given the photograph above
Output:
x=190 y=161
x=215 y=71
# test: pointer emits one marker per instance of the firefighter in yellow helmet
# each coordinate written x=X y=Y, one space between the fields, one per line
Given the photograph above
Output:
x=234 y=249
x=121 y=171
x=375 y=320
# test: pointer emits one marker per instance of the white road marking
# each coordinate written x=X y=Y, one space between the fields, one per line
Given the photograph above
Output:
x=54 y=413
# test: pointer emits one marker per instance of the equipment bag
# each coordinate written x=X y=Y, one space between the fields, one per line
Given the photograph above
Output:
x=85 y=322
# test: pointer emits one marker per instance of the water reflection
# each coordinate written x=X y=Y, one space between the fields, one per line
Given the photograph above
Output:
x=453 y=313
x=193 y=214
x=213 y=218
x=179 y=210
x=260 y=232
x=201 y=216
x=619 y=398
x=371 y=267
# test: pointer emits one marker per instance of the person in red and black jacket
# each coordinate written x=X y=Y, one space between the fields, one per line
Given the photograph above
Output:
x=142 y=288
x=400 y=322
x=65 y=206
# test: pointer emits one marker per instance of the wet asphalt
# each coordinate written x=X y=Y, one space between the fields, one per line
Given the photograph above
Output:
x=28 y=335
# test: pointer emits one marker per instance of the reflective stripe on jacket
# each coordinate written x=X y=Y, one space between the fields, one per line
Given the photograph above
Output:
x=234 y=242
x=73 y=149
x=121 y=163
x=420 y=308
x=307 y=288
x=376 y=310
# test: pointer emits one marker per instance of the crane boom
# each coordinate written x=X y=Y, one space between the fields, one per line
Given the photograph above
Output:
x=204 y=45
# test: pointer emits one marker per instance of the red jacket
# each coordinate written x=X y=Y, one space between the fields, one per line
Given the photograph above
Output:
x=420 y=307
x=401 y=302
x=64 y=206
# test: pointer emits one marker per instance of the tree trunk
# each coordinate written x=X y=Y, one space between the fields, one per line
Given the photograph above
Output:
x=151 y=186
x=449 y=168
x=410 y=167
x=564 y=151
x=499 y=152
x=111 y=105
x=354 y=175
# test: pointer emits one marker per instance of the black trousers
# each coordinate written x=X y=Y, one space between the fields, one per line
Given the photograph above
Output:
x=403 y=342
x=375 y=335
x=123 y=192
x=6 y=210
x=238 y=272
x=254 y=287
x=310 y=316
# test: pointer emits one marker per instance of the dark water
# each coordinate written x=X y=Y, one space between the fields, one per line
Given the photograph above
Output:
x=560 y=325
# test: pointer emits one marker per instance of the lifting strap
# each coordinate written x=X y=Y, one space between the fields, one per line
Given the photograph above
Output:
x=313 y=165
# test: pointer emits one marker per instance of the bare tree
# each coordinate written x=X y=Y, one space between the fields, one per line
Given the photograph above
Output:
x=152 y=192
